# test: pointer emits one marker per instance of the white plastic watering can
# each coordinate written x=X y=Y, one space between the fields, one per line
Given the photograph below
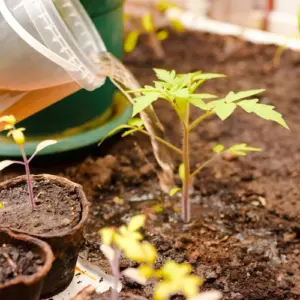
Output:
x=45 y=53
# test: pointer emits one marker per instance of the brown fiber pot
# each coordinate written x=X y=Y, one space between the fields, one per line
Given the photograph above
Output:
x=66 y=246
x=26 y=287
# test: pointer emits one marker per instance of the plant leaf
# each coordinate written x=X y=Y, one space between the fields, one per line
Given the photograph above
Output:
x=203 y=96
x=242 y=149
x=135 y=275
x=165 y=75
x=181 y=172
x=198 y=103
x=131 y=131
x=231 y=97
x=143 y=102
x=112 y=132
x=173 y=191
x=136 y=222
x=147 y=23
x=218 y=148
x=136 y=122
x=5 y=163
x=264 y=111
x=131 y=41
x=208 y=76
x=162 y=35
x=224 y=110
x=44 y=145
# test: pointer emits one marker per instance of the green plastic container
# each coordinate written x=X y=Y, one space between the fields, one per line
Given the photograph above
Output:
x=84 y=118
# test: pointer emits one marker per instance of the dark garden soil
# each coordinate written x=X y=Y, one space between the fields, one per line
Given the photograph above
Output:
x=57 y=208
x=245 y=235
x=16 y=260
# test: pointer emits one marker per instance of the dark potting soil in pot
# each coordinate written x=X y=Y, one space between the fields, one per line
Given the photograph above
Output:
x=16 y=260
x=245 y=236
x=57 y=208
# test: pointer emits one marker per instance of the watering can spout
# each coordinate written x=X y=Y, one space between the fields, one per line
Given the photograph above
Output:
x=47 y=55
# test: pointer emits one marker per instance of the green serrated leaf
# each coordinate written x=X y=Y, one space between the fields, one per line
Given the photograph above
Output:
x=207 y=76
x=242 y=149
x=203 y=96
x=231 y=97
x=112 y=132
x=181 y=93
x=218 y=148
x=165 y=75
x=198 y=103
x=264 y=111
x=181 y=172
x=136 y=122
x=143 y=102
x=224 y=110
x=174 y=191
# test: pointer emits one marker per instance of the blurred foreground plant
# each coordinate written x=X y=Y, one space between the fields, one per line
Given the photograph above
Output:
x=173 y=278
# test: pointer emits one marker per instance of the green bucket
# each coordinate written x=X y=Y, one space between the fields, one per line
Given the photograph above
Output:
x=85 y=117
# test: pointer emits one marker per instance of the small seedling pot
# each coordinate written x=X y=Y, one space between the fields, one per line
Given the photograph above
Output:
x=26 y=287
x=65 y=246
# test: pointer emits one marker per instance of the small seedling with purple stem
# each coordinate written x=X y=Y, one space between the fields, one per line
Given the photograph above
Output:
x=18 y=136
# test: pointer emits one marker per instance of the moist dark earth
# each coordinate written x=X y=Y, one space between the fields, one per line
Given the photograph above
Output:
x=57 y=208
x=17 y=260
x=244 y=236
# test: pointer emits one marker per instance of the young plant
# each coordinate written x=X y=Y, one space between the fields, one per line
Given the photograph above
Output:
x=18 y=136
x=180 y=92
x=173 y=278
x=145 y=24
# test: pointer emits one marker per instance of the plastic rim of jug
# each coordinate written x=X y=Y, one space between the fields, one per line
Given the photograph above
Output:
x=67 y=31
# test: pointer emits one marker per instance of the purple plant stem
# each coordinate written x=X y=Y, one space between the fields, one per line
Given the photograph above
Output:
x=29 y=181
x=115 y=268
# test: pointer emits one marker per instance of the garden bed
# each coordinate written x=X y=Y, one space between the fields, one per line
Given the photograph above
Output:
x=244 y=237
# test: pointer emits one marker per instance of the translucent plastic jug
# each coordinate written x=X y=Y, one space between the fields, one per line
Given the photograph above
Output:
x=45 y=53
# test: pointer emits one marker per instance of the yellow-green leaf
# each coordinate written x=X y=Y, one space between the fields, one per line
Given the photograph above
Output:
x=162 y=35
x=231 y=97
x=224 y=110
x=166 y=76
x=177 y=25
x=136 y=222
x=143 y=102
x=181 y=172
x=107 y=235
x=163 y=5
x=242 y=149
x=198 y=103
x=112 y=132
x=131 y=41
x=136 y=122
x=150 y=253
x=174 y=191
x=264 y=111
x=218 y=148
x=1 y=205
x=147 y=23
